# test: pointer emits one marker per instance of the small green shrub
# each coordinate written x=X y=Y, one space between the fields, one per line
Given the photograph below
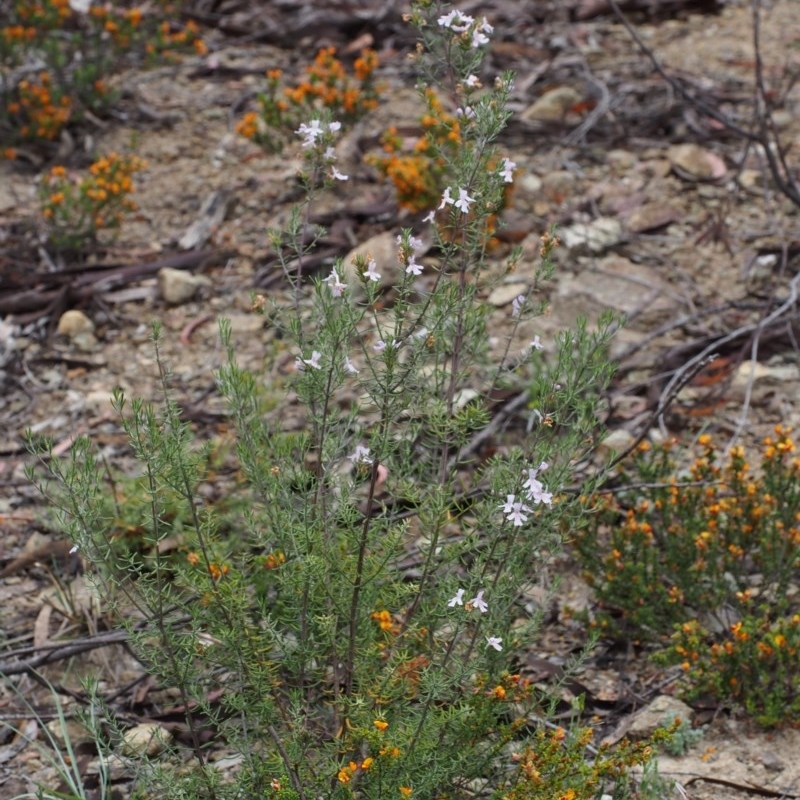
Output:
x=713 y=555
x=76 y=52
x=355 y=632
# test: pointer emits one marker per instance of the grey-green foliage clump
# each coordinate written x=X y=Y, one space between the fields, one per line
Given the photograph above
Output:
x=358 y=633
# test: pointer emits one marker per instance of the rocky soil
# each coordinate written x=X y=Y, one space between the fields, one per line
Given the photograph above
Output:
x=664 y=215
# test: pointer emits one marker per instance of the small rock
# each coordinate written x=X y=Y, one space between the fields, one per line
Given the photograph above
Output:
x=503 y=295
x=69 y=730
x=692 y=162
x=245 y=323
x=553 y=106
x=74 y=322
x=178 y=286
x=84 y=341
x=651 y=217
x=616 y=442
x=617 y=284
x=382 y=249
x=147 y=738
x=594 y=237
x=751 y=179
x=663 y=710
x=771 y=762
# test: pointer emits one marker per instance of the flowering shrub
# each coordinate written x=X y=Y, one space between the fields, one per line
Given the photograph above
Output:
x=713 y=555
x=76 y=209
x=364 y=617
x=77 y=47
x=325 y=87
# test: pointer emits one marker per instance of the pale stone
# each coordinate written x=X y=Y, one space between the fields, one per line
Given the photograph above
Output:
x=553 y=106
x=662 y=712
x=695 y=162
x=178 y=286
x=594 y=237
x=614 y=283
x=69 y=730
x=147 y=738
x=73 y=322
x=506 y=293
x=617 y=442
x=383 y=250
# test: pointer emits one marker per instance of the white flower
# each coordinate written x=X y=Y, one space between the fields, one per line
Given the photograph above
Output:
x=456 y=21
x=517 y=515
x=379 y=346
x=464 y=201
x=478 y=39
x=335 y=126
x=311 y=132
x=334 y=284
x=338 y=175
x=517 y=304
x=494 y=641
x=414 y=243
x=473 y=82
x=508 y=506
x=430 y=216
x=302 y=363
x=330 y=154
x=507 y=172
x=371 y=271
x=479 y=603
x=81 y=6
x=536 y=344
x=73 y=550
x=360 y=455
x=447 y=200
x=457 y=600
x=413 y=267
x=534 y=487
x=349 y=367
x=467 y=112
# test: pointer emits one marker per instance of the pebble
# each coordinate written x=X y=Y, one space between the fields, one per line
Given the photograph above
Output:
x=178 y=286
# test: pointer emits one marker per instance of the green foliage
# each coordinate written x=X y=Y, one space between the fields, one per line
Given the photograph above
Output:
x=75 y=54
x=363 y=616
x=712 y=554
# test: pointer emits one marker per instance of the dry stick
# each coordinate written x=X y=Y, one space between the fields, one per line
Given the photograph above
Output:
x=766 y=136
x=778 y=312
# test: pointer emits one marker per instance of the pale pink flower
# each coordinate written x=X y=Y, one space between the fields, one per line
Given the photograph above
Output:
x=536 y=344
x=430 y=216
x=464 y=201
x=473 y=82
x=456 y=21
x=494 y=641
x=447 y=200
x=457 y=600
x=349 y=367
x=313 y=362
x=413 y=268
x=310 y=132
x=517 y=514
x=479 y=603
x=517 y=304
x=507 y=171
x=379 y=346
x=338 y=175
x=360 y=455
x=508 y=506
x=371 y=271
x=334 y=284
